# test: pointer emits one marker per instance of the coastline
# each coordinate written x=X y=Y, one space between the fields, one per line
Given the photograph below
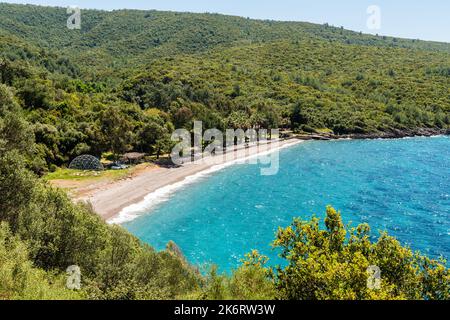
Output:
x=392 y=134
x=124 y=200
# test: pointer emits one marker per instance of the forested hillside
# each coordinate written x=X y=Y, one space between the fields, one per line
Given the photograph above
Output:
x=345 y=88
x=129 y=32
x=127 y=78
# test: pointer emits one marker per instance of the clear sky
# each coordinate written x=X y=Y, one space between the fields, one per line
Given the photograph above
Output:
x=416 y=19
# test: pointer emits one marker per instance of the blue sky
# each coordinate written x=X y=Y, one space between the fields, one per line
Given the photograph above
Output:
x=428 y=20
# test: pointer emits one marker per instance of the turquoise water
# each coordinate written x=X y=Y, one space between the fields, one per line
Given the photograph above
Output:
x=402 y=186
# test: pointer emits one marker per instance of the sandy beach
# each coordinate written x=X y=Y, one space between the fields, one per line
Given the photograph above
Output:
x=108 y=200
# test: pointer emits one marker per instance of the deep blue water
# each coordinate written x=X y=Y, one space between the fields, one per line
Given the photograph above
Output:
x=401 y=186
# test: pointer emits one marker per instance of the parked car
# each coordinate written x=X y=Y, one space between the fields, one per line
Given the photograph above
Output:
x=119 y=166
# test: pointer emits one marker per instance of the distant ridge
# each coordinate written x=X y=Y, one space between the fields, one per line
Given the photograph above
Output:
x=121 y=32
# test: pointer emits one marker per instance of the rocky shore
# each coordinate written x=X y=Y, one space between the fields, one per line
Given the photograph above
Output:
x=393 y=134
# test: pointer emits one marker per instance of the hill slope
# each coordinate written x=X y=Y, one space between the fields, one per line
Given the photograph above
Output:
x=122 y=33
x=346 y=88
x=132 y=76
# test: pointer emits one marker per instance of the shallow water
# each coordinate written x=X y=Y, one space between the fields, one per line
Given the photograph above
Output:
x=402 y=186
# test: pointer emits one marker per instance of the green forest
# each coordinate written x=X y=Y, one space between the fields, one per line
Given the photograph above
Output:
x=127 y=79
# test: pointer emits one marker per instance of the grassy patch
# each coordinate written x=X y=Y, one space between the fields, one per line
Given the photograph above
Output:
x=324 y=130
x=80 y=175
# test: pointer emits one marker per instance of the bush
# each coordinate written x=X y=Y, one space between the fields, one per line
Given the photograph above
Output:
x=58 y=234
x=333 y=264
x=20 y=280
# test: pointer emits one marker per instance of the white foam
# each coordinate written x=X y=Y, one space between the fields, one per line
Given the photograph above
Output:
x=163 y=194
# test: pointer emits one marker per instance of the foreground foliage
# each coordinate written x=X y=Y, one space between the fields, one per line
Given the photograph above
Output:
x=333 y=263
x=58 y=234
x=43 y=233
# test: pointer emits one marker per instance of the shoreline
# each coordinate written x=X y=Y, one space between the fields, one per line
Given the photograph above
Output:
x=124 y=200
x=393 y=134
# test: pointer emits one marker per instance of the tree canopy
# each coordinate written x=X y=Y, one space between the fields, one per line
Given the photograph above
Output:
x=127 y=78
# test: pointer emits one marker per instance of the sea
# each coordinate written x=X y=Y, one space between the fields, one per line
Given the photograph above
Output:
x=401 y=186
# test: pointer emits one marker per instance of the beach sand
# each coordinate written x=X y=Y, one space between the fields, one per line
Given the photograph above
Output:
x=108 y=200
